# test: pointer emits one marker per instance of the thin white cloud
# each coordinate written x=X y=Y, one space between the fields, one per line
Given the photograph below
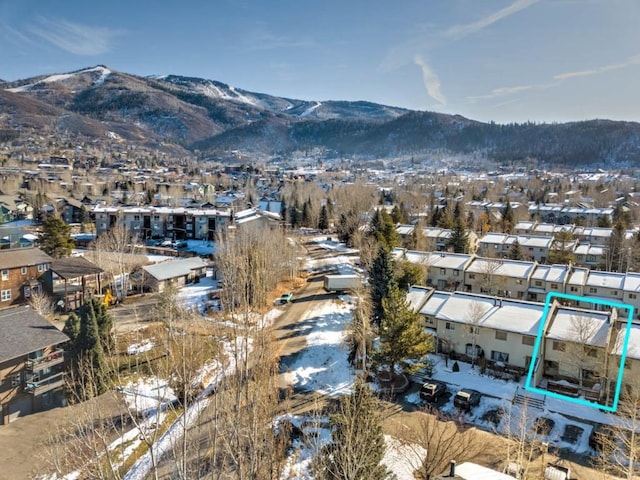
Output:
x=430 y=79
x=558 y=79
x=635 y=60
x=74 y=37
x=459 y=31
x=506 y=91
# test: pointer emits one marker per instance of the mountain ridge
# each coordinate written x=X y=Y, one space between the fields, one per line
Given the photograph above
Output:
x=208 y=117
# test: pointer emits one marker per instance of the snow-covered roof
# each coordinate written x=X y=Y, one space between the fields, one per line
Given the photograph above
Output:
x=460 y=307
x=457 y=261
x=174 y=268
x=538 y=241
x=502 y=267
x=473 y=471
x=551 y=273
x=416 y=296
x=433 y=304
x=631 y=282
x=585 y=326
x=514 y=316
x=494 y=238
x=606 y=279
x=404 y=229
x=579 y=276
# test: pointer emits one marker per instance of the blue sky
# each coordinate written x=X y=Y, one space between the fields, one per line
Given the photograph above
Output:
x=502 y=60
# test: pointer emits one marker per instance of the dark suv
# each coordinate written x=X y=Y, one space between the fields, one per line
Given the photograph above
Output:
x=432 y=390
x=466 y=399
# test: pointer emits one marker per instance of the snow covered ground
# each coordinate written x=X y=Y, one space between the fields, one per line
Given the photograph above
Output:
x=323 y=366
x=498 y=395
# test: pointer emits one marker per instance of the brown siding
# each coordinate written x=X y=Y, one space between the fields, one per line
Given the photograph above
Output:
x=17 y=281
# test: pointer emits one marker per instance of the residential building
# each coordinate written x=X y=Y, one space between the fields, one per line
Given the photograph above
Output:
x=31 y=364
x=546 y=279
x=508 y=278
x=178 y=272
x=21 y=273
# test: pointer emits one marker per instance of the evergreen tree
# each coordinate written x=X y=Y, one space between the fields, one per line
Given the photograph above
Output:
x=507 y=218
x=418 y=240
x=323 y=221
x=72 y=330
x=56 y=239
x=90 y=355
x=471 y=221
x=402 y=335
x=435 y=216
x=617 y=255
x=105 y=324
x=459 y=239
x=515 y=251
x=357 y=440
x=397 y=215
x=410 y=274
x=283 y=211
x=294 y=214
x=381 y=279
x=445 y=220
x=305 y=217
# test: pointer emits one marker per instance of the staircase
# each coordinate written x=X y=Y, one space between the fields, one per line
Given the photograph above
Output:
x=522 y=397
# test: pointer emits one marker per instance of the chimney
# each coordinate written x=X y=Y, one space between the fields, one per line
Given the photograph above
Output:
x=452 y=469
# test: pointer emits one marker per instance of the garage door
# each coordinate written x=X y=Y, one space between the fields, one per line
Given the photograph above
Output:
x=19 y=407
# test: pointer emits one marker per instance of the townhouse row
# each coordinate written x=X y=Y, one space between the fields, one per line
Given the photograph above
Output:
x=536 y=241
x=525 y=280
x=580 y=348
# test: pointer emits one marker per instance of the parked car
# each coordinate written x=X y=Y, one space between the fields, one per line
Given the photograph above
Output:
x=285 y=298
x=432 y=390
x=466 y=399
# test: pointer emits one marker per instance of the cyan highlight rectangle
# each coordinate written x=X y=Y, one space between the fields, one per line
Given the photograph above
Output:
x=540 y=338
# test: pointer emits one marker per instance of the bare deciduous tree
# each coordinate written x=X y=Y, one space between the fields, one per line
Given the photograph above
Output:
x=437 y=441
x=41 y=303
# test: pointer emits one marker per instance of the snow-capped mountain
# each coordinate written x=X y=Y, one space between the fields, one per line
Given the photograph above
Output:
x=187 y=113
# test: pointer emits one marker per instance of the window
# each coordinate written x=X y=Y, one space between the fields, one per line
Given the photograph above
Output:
x=499 y=356
x=474 y=330
x=103 y=226
x=627 y=364
x=136 y=218
x=449 y=326
x=27 y=291
x=23 y=270
x=554 y=286
x=5 y=275
x=538 y=283
x=16 y=379
x=501 y=335
x=591 y=352
x=593 y=290
x=559 y=346
x=41 y=267
x=443 y=271
x=156 y=218
x=574 y=289
x=527 y=340
x=456 y=273
x=5 y=295
x=519 y=281
x=633 y=296
x=472 y=276
x=614 y=292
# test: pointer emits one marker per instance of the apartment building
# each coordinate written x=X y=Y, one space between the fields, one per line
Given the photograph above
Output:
x=502 y=277
x=21 y=272
x=31 y=364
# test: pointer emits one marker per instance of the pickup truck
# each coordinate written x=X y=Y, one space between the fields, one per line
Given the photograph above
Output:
x=285 y=298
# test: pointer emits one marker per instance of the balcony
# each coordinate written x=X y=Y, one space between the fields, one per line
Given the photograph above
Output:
x=56 y=357
x=38 y=387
